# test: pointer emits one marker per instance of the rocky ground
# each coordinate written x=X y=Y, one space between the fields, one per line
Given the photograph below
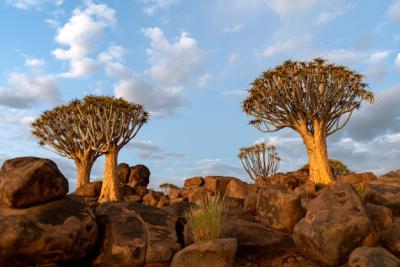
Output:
x=284 y=221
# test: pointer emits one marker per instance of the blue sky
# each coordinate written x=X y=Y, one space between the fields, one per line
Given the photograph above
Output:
x=190 y=63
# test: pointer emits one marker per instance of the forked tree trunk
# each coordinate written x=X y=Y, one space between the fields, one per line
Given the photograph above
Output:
x=109 y=189
x=320 y=171
x=83 y=168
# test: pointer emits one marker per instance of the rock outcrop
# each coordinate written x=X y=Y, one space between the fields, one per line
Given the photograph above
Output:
x=372 y=257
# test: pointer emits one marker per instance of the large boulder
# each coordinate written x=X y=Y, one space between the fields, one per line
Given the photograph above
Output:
x=91 y=189
x=385 y=193
x=279 y=207
x=123 y=171
x=28 y=181
x=194 y=182
x=357 y=178
x=218 y=252
x=381 y=217
x=139 y=175
x=52 y=233
x=135 y=235
x=239 y=189
x=218 y=184
x=198 y=194
x=391 y=238
x=372 y=257
x=335 y=224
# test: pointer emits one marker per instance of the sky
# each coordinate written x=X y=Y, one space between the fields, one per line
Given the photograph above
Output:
x=190 y=64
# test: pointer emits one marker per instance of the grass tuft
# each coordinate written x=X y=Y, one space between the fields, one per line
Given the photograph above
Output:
x=205 y=220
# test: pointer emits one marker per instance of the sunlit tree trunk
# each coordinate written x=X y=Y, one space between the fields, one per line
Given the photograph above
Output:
x=83 y=168
x=109 y=190
x=320 y=171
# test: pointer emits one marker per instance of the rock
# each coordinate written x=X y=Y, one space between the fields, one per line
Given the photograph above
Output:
x=239 y=189
x=250 y=204
x=178 y=209
x=51 y=233
x=234 y=205
x=356 y=178
x=125 y=190
x=91 y=189
x=164 y=201
x=194 y=182
x=135 y=235
x=217 y=184
x=391 y=238
x=387 y=195
x=175 y=193
x=395 y=174
x=140 y=190
x=199 y=194
x=151 y=199
x=133 y=198
x=256 y=241
x=380 y=216
x=288 y=180
x=28 y=181
x=139 y=175
x=372 y=257
x=279 y=207
x=218 y=252
x=335 y=224
x=177 y=200
x=123 y=171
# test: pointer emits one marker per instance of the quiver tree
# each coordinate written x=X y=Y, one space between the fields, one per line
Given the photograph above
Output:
x=314 y=98
x=110 y=124
x=58 y=130
x=259 y=160
x=338 y=168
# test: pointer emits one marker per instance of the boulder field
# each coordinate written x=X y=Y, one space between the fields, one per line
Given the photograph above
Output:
x=282 y=221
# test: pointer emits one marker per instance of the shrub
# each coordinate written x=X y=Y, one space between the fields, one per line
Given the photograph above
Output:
x=205 y=220
x=338 y=169
x=167 y=187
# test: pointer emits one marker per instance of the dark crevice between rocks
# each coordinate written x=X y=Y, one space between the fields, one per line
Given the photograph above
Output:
x=180 y=229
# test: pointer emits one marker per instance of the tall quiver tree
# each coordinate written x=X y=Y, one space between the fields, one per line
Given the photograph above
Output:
x=314 y=98
x=111 y=124
x=58 y=130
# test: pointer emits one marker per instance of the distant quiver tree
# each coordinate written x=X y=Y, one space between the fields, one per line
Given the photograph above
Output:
x=107 y=124
x=58 y=129
x=259 y=160
x=314 y=98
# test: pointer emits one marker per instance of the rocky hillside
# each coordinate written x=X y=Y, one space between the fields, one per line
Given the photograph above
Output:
x=284 y=221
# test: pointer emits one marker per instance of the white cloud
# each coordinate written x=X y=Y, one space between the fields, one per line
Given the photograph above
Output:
x=80 y=34
x=203 y=80
x=34 y=62
x=146 y=149
x=327 y=16
x=160 y=102
x=286 y=7
x=233 y=29
x=28 y=4
x=173 y=63
x=393 y=12
x=397 y=61
x=152 y=6
x=23 y=91
x=287 y=45
x=233 y=58
x=379 y=56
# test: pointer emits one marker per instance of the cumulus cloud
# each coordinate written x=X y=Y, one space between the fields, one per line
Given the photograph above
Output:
x=173 y=63
x=146 y=149
x=214 y=167
x=152 y=6
x=34 y=62
x=28 y=4
x=24 y=91
x=80 y=34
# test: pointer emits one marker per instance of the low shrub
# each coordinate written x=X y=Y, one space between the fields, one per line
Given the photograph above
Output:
x=205 y=220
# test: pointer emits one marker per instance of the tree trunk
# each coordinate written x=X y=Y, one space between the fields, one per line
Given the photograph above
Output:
x=83 y=168
x=109 y=190
x=320 y=171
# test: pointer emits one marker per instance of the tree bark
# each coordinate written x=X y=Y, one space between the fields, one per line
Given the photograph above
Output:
x=83 y=167
x=109 y=190
x=320 y=171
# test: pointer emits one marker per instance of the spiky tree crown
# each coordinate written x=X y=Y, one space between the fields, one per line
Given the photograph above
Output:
x=109 y=121
x=259 y=160
x=59 y=130
x=302 y=92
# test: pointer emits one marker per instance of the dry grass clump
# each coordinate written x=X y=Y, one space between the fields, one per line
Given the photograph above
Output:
x=205 y=220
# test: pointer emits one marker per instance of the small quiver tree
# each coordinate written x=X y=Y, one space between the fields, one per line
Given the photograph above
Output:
x=314 y=98
x=259 y=160
x=111 y=124
x=58 y=129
